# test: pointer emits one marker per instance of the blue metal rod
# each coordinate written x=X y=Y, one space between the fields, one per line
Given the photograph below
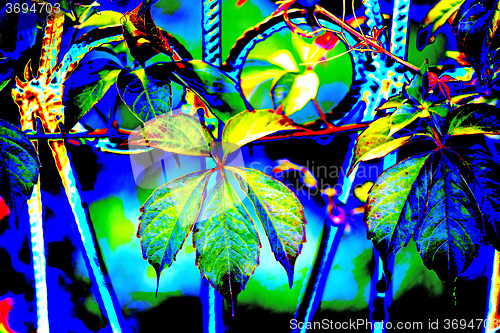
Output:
x=211 y=300
x=313 y=292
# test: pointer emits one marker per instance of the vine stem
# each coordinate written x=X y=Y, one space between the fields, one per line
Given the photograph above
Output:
x=362 y=38
x=301 y=133
x=69 y=182
x=39 y=260
x=308 y=132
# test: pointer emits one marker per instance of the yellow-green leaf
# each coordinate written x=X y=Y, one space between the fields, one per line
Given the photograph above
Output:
x=280 y=213
x=181 y=134
x=103 y=19
x=404 y=116
x=372 y=137
x=439 y=14
x=249 y=126
x=474 y=119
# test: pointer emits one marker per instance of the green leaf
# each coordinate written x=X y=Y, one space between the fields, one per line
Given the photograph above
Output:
x=226 y=241
x=416 y=89
x=168 y=217
x=280 y=212
x=19 y=166
x=145 y=97
x=439 y=14
x=372 y=137
x=404 y=116
x=292 y=91
x=219 y=91
x=388 y=211
x=393 y=102
x=249 y=126
x=450 y=232
x=256 y=78
x=440 y=110
x=181 y=134
x=474 y=119
x=85 y=88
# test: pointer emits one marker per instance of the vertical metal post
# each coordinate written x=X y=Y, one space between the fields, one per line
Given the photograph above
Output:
x=398 y=47
x=39 y=260
x=211 y=300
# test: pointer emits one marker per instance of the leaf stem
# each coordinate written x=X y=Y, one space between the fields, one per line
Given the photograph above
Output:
x=436 y=137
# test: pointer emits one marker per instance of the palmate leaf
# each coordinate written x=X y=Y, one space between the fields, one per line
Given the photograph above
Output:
x=226 y=241
x=145 y=97
x=451 y=229
x=19 y=166
x=249 y=126
x=168 y=217
x=280 y=212
x=85 y=88
x=219 y=92
x=180 y=134
x=388 y=214
x=474 y=119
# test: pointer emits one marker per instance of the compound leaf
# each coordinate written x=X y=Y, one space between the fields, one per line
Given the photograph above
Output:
x=486 y=186
x=280 y=212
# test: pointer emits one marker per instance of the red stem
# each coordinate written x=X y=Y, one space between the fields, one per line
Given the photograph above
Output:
x=307 y=132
